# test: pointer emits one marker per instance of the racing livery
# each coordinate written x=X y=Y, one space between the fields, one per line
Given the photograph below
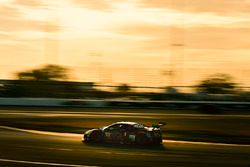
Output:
x=125 y=133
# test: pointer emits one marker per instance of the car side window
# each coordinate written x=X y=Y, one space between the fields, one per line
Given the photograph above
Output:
x=130 y=128
x=124 y=127
x=114 y=127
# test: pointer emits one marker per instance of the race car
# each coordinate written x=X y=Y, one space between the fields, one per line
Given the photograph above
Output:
x=125 y=133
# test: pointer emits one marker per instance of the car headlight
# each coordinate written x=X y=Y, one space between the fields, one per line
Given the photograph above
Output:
x=87 y=132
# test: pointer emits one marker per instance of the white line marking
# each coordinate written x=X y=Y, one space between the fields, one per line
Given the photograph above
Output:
x=43 y=132
x=205 y=143
x=43 y=163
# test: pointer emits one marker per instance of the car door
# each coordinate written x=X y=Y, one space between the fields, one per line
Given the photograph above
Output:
x=130 y=134
x=112 y=133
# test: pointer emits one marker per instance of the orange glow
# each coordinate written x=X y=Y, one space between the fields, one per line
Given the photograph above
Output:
x=127 y=40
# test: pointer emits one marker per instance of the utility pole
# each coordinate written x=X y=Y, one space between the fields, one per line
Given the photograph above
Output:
x=51 y=40
x=177 y=44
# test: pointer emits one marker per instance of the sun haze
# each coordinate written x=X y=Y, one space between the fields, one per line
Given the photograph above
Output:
x=134 y=41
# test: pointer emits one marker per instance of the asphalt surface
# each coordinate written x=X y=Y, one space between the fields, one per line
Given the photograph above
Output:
x=27 y=148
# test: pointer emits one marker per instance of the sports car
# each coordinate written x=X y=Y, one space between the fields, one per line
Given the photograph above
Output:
x=125 y=133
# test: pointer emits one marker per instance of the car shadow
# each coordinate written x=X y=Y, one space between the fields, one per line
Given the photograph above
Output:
x=127 y=146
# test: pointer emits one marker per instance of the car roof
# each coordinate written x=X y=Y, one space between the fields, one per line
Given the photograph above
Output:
x=126 y=122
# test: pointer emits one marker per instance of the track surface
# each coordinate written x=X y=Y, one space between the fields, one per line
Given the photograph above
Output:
x=28 y=148
x=21 y=149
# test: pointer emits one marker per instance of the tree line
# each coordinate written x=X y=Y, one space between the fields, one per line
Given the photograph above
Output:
x=52 y=81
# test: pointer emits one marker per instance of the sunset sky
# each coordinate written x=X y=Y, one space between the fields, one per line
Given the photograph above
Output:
x=133 y=41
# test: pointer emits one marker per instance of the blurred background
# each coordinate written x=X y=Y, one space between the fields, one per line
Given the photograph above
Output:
x=68 y=66
x=179 y=48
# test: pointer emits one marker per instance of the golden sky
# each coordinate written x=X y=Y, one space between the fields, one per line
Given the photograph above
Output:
x=127 y=40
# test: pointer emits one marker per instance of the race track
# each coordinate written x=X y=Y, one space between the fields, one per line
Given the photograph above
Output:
x=20 y=148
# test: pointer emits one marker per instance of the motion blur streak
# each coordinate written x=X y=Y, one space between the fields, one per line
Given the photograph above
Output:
x=206 y=143
x=43 y=163
x=118 y=114
x=43 y=132
x=80 y=135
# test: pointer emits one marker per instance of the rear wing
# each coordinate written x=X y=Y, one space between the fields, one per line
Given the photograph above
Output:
x=159 y=125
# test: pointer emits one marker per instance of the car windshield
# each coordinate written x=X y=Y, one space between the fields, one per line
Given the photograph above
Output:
x=104 y=127
x=138 y=126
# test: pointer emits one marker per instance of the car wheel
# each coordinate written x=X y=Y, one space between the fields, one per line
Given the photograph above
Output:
x=121 y=142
